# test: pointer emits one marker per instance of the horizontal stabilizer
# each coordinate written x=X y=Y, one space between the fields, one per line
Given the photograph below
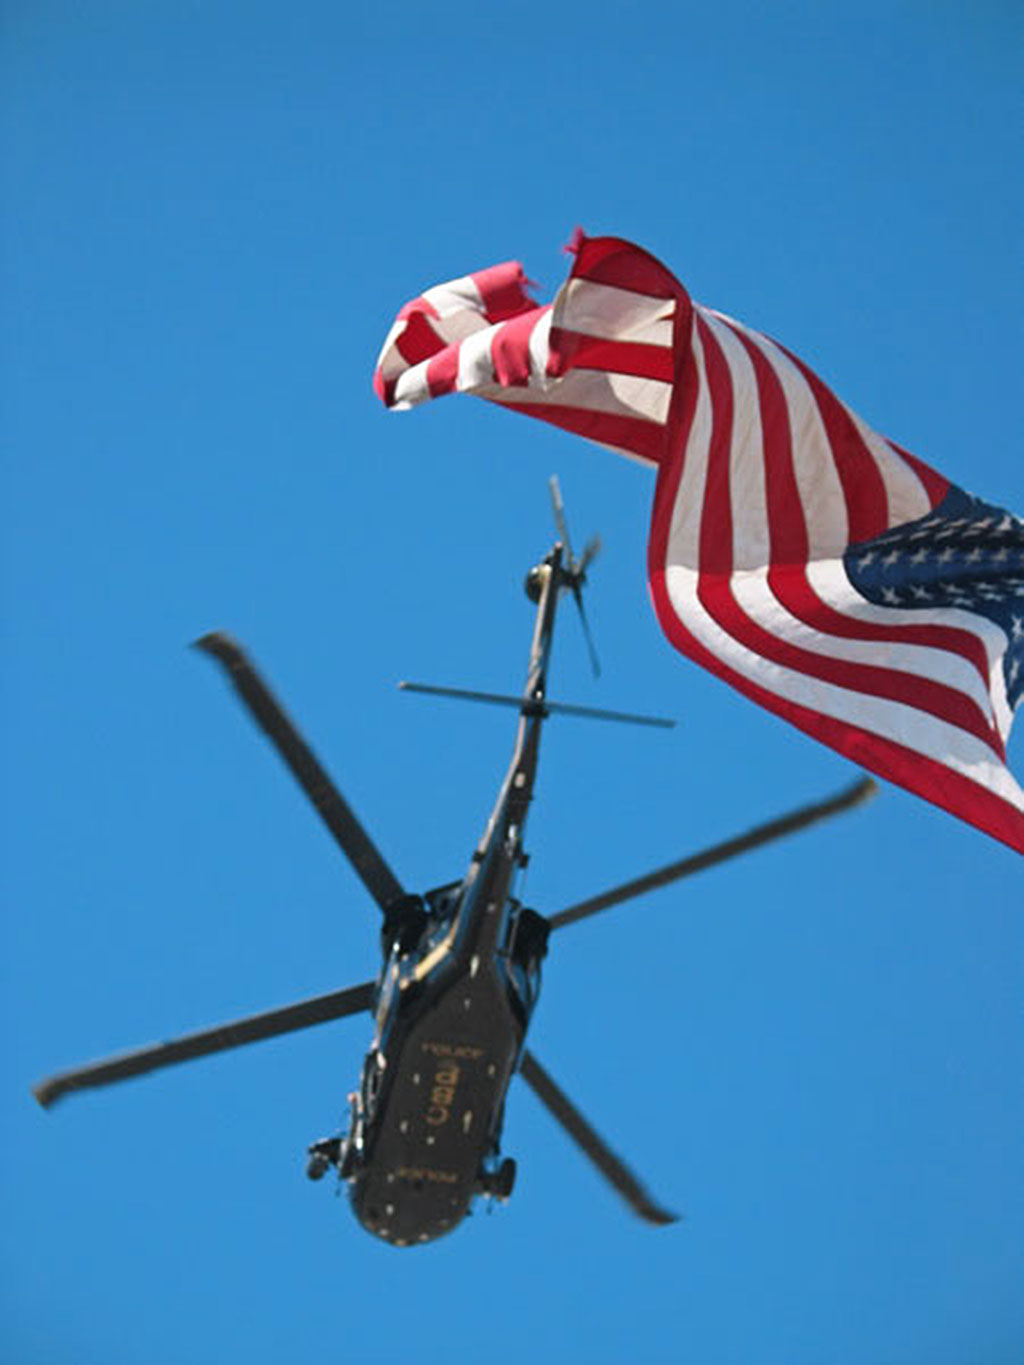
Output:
x=530 y=706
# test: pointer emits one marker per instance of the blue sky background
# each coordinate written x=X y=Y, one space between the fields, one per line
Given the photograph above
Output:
x=213 y=212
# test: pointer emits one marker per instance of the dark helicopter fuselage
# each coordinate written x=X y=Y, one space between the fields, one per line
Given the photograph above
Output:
x=460 y=977
x=460 y=981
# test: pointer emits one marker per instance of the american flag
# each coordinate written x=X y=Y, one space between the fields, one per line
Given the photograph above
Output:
x=819 y=568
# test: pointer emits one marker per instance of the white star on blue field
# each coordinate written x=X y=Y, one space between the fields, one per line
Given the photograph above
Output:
x=813 y=1052
x=966 y=554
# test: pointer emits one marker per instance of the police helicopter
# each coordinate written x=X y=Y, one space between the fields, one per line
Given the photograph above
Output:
x=460 y=975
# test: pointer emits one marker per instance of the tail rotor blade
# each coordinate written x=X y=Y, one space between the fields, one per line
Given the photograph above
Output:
x=591 y=1144
x=796 y=820
x=318 y=1009
x=574 y=575
x=595 y=662
x=561 y=525
x=337 y=815
x=590 y=552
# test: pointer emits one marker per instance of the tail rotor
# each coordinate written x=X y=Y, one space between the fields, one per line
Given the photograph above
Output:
x=575 y=570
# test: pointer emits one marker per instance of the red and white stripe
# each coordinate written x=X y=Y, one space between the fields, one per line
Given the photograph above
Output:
x=597 y=361
x=764 y=479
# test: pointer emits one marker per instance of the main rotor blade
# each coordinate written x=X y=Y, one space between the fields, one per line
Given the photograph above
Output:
x=320 y=1009
x=528 y=707
x=614 y=1170
x=849 y=797
x=335 y=811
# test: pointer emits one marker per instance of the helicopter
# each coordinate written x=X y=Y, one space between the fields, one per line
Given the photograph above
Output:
x=461 y=968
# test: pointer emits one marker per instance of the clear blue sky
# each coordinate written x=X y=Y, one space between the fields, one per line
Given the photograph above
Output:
x=212 y=213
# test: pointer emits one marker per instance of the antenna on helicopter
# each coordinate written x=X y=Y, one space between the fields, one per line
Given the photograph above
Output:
x=575 y=571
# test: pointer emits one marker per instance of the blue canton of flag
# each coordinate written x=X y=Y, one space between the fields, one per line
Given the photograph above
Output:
x=965 y=554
